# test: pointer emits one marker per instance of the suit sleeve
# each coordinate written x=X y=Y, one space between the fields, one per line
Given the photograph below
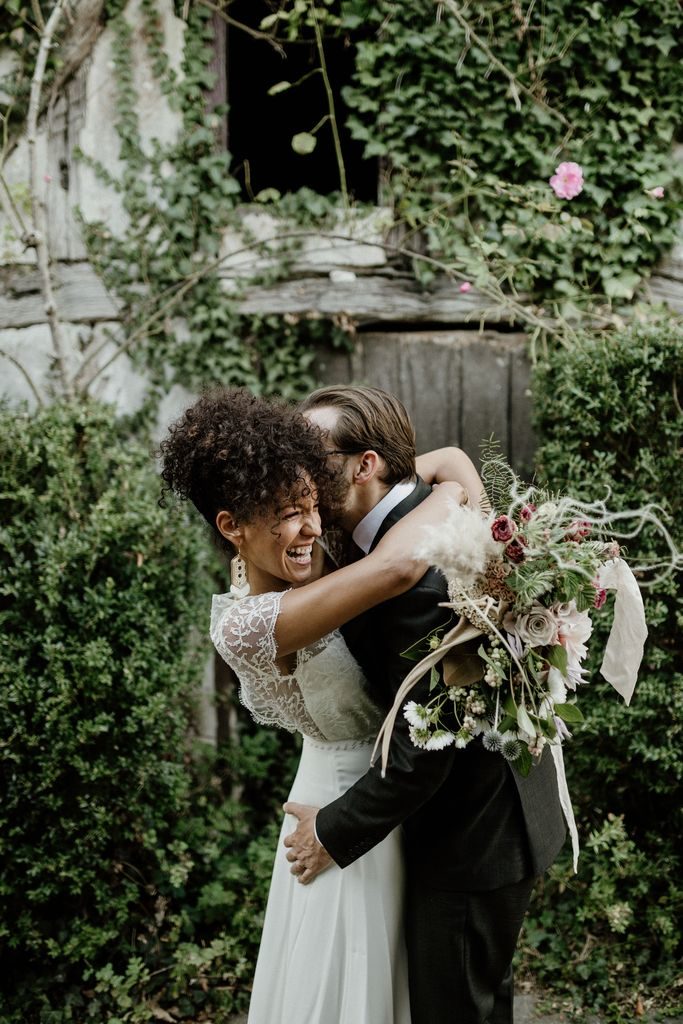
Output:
x=373 y=806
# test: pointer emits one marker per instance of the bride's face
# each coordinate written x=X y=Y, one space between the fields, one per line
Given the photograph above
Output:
x=279 y=546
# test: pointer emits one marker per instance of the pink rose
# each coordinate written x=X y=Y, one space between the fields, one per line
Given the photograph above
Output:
x=515 y=550
x=503 y=528
x=465 y=287
x=657 y=192
x=527 y=512
x=567 y=181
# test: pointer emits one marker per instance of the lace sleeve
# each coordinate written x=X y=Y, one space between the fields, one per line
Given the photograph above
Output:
x=243 y=633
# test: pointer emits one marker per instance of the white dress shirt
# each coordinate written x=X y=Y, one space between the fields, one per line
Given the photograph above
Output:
x=368 y=527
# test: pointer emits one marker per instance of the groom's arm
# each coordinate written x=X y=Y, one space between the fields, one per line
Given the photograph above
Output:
x=373 y=806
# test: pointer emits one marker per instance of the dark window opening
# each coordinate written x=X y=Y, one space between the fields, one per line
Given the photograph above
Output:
x=261 y=127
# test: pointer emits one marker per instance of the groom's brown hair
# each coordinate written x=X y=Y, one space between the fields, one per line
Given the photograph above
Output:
x=369 y=418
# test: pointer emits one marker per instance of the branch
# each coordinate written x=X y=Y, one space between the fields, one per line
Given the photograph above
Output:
x=25 y=374
x=39 y=234
x=330 y=104
x=516 y=86
x=12 y=212
x=245 y=28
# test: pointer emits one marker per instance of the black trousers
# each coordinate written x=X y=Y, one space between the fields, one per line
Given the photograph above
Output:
x=460 y=949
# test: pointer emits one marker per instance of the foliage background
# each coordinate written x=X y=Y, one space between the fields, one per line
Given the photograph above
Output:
x=143 y=892
x=610 y=422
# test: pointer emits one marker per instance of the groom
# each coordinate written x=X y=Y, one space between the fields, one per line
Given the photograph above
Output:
x=477 y=834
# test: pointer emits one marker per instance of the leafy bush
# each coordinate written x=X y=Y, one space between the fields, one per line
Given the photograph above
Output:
x=609 y=416
x=471 y=107
x=129 y=879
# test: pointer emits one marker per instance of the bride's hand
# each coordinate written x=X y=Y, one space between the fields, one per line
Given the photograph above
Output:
x=399 y=543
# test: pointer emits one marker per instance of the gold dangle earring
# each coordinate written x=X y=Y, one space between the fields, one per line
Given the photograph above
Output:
x=239 y=577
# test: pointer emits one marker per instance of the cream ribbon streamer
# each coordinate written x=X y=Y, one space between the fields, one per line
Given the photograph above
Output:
x=565 y=801
x=624 y=650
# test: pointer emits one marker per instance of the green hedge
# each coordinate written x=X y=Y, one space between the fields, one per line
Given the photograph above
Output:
x=609 y=416
x=130 y=880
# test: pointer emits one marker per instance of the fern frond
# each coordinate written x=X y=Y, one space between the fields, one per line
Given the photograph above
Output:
x=500 y=481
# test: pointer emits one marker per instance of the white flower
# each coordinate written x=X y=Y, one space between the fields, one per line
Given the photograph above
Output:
x=419 y=737
x=537 y=627
x=574 y=629
x=460 y=546
x=416 y=715
x=562 y=730
x=439 y=739
x=556 y=686
x=462 y=739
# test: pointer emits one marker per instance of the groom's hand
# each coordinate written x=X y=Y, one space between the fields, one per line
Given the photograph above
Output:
x=306 y=854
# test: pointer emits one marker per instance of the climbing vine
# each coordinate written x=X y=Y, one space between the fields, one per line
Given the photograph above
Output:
x=469 y=108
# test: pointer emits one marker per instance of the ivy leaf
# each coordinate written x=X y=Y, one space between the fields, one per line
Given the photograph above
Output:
x=622 y=287
x=304 y=143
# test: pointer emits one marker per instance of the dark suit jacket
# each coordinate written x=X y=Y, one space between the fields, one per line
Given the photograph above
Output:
x=470 y=820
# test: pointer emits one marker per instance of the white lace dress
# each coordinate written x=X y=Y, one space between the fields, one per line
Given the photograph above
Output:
x=331 y=952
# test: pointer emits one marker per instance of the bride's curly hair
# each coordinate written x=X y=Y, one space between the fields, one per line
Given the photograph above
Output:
x=232 y=450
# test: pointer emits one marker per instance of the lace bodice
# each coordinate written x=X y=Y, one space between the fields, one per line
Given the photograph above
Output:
x=324 y=697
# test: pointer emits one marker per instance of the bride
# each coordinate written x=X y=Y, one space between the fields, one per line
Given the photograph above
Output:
x=257 y=471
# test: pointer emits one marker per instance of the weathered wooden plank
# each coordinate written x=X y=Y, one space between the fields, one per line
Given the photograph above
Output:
x=522 y=439
x=456 y=385
x=81 y=297
x=485 y=395
x=372 y=299
x=430 y=387
x=668 y=290
x=332 y=366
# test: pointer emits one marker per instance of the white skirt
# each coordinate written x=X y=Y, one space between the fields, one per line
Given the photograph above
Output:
x=333 y=951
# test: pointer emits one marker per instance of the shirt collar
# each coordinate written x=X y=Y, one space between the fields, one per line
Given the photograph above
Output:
x=368 y=527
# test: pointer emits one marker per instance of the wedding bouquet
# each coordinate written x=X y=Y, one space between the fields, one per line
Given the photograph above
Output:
x=525 y=580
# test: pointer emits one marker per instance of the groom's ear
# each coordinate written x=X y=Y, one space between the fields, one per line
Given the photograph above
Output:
x=366 y=468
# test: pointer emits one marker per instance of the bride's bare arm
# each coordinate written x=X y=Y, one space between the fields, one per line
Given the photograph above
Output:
x=444 y=464
x=310 y=612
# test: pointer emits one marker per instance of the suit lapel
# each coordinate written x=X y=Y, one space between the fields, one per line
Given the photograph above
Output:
x=415 y=498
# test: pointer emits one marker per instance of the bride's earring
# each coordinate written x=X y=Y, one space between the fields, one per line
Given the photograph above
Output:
x=239 y=577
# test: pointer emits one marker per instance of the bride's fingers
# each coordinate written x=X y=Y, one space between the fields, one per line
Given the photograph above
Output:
x=291 y=856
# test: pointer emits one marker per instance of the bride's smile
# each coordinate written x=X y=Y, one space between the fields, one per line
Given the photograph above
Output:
x=278 y=547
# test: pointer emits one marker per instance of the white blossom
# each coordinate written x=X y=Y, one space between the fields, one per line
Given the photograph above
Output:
x=439 y=739
x=416 y=715
x=419 y=737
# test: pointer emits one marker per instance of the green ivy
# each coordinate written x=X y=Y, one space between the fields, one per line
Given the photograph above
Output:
x=470 y=154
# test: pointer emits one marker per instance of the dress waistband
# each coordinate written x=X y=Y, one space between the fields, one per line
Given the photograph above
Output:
x=322 y=744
